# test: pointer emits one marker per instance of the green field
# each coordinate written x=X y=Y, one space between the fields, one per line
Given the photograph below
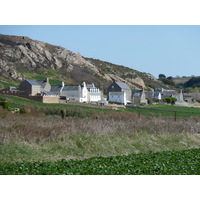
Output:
x=163 y=110
x=5 y=84
x=160 y=163
x=166 y=111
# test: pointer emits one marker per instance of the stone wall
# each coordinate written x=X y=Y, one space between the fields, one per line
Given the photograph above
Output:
x=50 y=99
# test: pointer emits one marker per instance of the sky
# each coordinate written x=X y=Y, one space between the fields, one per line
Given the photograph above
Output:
x=156 y=49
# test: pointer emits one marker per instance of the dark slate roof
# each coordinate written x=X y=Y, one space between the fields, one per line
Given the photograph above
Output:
x=42 y=83
x=122 y=85
x=32 y=82
x=55 y=88
x=70 y=88
x=169 y=93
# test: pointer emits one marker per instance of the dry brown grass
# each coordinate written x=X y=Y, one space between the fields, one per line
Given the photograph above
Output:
x=36 y=137
x=39 y=128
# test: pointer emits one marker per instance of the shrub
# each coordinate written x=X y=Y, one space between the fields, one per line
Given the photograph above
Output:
x=170 y=100
x=149 y=101
x=4 y=104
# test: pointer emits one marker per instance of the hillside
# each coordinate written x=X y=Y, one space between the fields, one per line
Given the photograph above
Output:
x=22 y=57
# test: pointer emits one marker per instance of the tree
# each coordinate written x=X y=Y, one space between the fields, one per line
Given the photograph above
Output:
x=170 y=100
x=193 y=82
x=161 y=76
x=167 y=82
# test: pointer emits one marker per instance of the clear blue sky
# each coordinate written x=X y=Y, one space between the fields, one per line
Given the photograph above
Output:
x=171 y=50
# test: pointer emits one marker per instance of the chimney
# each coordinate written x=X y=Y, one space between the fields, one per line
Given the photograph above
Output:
x=84 y=84
x=63 y=84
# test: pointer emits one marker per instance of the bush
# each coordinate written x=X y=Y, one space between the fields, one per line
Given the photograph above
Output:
x=4 y=104
x=170 y=100
x=149 y=101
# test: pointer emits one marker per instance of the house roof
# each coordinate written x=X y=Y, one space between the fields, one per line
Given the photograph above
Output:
x=169 y=93
x=122 y=85
x=47 y=92
x=55 y=88
x=42 y=83
x=32 y=82
x=136 y=93
x=70 y=88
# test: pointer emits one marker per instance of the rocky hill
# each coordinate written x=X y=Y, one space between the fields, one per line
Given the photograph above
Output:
x=22 y=57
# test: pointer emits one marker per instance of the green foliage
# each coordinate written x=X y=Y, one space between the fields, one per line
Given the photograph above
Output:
x=55 y=82
x=170 y=100
x=162 y=163
x=192 y=89
x=4 y=104
x=167 y=82
x=161 y=76
x=5 y=84
x=149 y=101
x=193 y=82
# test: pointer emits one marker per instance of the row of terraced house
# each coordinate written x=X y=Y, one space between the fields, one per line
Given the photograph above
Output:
x=118 y=92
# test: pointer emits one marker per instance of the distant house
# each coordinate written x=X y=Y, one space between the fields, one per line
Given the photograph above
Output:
x=119 y=92
x=79 y=93
x=139 y=97
x=72 y=93
x=167 y=93
x=30 y=87
x=95 y=94
x=45 y=84
x=118 y=97
x=57 y=89
x=9 y=90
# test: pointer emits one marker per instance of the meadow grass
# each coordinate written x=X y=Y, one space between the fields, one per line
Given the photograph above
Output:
x=35 y=137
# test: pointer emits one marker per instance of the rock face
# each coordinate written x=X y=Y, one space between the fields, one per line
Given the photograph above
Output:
x=22 y=54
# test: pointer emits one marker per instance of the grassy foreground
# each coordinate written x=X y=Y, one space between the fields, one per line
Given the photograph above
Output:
x=40 y=142
x=160 y=163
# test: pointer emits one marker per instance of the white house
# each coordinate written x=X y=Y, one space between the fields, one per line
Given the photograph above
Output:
x=118 y=97
x=94 y=93
x=119 y=92
x=81 y=93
